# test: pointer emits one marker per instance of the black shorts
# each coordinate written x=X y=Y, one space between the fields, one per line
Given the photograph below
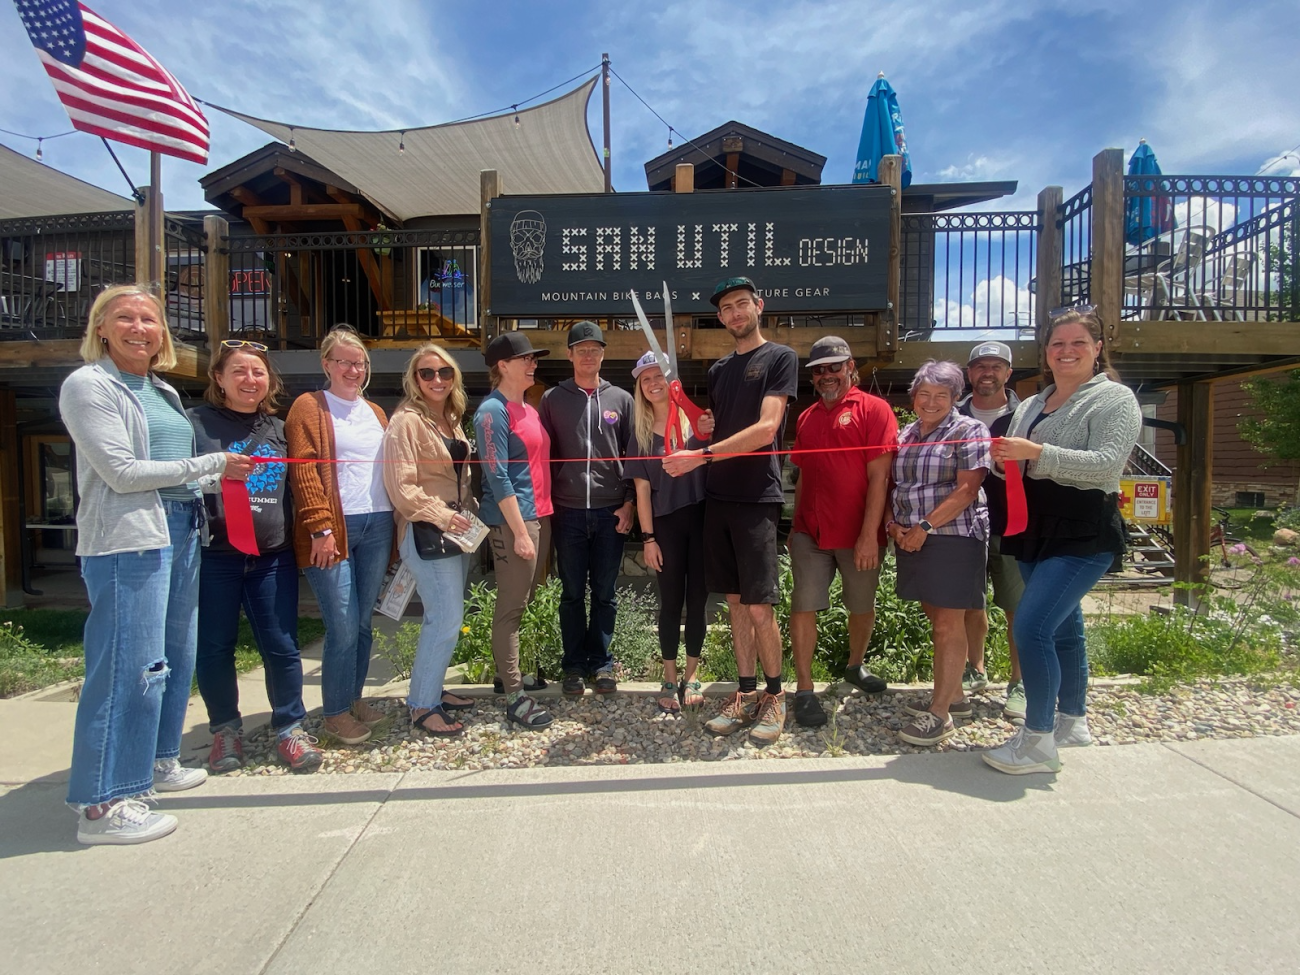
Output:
x=740 y=550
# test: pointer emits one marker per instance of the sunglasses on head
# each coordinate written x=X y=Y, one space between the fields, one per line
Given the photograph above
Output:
x=445 y=373
x=242 y=344
x=834 y=367
x=1082 y=308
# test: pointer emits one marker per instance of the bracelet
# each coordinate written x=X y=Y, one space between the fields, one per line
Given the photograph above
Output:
x=647 y=536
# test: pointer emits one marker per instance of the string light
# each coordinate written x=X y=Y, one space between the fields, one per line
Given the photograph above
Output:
x=293 y=146
x=516 y=108
x=670 y=137
x=39 y=155
x=401 y=144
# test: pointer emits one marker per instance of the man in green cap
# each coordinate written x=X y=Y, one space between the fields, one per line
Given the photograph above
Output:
x=748 y=392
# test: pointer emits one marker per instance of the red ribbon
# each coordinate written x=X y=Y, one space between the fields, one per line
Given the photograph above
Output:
x=1017 y=506
x=239 y=516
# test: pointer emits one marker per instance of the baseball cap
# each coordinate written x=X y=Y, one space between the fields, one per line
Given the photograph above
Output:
x=725 y=288
x=996 y=350
x=508 y=345
x=585 y=332
x=644 y=363
x=829 y=348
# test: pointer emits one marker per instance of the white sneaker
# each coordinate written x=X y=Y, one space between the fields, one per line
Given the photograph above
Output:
x=1025 y=752
x=169 y=775
x=127 y=821
x=1072 y=731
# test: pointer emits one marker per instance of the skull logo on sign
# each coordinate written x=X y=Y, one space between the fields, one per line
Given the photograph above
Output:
x=528 y=244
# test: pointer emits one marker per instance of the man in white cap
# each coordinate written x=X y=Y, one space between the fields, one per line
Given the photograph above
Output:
x=992 y=403
x=839 y=514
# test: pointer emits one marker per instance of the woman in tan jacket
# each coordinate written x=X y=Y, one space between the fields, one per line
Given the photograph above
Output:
x=428 y=480
x=343 y=523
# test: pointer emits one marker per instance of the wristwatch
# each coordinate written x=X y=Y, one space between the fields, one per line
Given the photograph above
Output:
x=926 y=526
x=327 y=532
x=707 y=453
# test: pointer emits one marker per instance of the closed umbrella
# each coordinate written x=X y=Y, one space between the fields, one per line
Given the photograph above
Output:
x=1146 y=216
x=882 y=134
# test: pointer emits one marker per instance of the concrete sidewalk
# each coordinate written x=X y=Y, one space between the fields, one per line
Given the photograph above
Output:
x=1146 y=858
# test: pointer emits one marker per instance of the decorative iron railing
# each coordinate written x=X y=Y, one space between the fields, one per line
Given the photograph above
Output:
x=1074 y=221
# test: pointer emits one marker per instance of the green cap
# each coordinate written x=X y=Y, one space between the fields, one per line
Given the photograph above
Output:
x=725 y=288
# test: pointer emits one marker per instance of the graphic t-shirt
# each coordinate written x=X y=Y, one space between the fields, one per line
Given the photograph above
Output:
x=737 y=385
x=217 y=428
x=516 y=452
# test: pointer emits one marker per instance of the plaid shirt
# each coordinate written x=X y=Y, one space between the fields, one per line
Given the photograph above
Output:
x=925 y=476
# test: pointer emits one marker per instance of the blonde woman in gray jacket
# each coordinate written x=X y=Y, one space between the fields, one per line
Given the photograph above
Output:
x=1073 y=440
x=138 y=526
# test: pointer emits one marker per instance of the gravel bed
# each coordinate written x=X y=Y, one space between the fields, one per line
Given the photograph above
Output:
x=627 y=729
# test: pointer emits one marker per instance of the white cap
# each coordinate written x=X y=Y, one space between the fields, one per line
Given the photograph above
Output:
x=644 y=363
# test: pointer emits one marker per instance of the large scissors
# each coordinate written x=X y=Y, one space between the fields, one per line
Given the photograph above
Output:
x=674 y=435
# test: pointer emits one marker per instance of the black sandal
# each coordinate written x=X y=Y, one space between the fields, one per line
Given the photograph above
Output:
x=422 y=724
x=449 y=706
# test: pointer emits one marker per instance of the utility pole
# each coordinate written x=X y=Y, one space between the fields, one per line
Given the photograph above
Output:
x=604 y=90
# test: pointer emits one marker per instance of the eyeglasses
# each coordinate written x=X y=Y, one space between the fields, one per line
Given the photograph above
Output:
x=242 y=344
x=348 y=365
x=834 y=367
x=445 y=373
x=1081 y=308
x=530 y=357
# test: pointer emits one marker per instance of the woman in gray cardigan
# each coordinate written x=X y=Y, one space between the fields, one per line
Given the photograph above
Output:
x=1074 y=437
x=138 y=525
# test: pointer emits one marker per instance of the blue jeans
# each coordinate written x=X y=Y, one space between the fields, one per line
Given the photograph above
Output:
x=441 y=584
x=588 y=550
x=1049 y=635
x=346 y=592
x=139 y=642
x=266 y=586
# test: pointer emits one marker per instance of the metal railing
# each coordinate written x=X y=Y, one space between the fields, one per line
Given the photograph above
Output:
x=967 y=271
x=1074 y=221
x=292 y=288
x=1209 y=248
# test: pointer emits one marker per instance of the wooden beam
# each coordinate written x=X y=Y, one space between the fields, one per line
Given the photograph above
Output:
x=305 y=211
x=1050 y=248
x=216 y=279
x=191 y=363
x=910 y=355
x=54 y=352
x=787 y=177
x=733 y=166
x=684 y=179
x=490 y=186
x=1107 y=283
x=1208 y=338
x=301 y=192
x=11 y=527
x=890 y=173
x=247 y=197
x=149 y=267
x=1193 y=480
x=381 y=285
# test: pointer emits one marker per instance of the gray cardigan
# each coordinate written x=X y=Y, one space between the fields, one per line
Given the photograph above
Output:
x=1088 y=439
x=119 y=510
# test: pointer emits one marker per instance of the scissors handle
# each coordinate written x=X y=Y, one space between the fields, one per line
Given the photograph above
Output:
x=673 y=432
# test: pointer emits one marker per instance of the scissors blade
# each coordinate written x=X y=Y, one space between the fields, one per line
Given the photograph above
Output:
x=665 y=364
x=670 y=335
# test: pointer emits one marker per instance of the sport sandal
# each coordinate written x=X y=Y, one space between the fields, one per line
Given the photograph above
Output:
x=525 y=712
x=667 y=699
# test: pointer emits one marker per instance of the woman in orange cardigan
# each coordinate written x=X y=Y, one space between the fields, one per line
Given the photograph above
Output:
x=343 y=523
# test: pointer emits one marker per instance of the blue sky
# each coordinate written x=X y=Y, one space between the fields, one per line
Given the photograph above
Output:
x=989 y=90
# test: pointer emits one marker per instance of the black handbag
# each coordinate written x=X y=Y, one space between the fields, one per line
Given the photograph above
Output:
x=431 y=543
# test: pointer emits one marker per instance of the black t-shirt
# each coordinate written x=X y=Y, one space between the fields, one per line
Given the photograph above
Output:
x=737 y=385
x=667 y=494
x=217 y=428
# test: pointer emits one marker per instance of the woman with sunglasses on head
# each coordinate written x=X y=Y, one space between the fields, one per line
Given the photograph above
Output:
x=428 y=480
x=243 y=388
x=343 y=523
x=139 y=523
x=516 y=454
x=671 y=515
x=1072 y=441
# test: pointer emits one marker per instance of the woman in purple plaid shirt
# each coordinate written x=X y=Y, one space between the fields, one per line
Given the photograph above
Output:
x=940 y=530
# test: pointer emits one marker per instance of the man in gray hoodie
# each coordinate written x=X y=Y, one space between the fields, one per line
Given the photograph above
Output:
x=590 y=425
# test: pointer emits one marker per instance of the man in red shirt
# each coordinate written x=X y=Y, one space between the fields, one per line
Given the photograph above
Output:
x=839 y=511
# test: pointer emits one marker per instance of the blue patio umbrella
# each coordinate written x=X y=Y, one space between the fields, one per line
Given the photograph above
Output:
x=882 y=134
x=1146 y=216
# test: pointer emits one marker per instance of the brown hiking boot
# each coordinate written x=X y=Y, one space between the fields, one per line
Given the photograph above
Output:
x=739 y=712
x=771 y=719
x=345 y=728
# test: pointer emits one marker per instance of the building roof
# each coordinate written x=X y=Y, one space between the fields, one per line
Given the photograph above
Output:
x=549 y=151
x=935 y=197
x=755 y=148
x=32 y=189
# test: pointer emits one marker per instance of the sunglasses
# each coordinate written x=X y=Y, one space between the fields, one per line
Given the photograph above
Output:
x=242 y=344
x=832 y=367
x=1082 y=308
x=445 y=373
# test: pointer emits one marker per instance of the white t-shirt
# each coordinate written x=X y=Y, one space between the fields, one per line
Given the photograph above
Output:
x=987 y=417
x=358 y=436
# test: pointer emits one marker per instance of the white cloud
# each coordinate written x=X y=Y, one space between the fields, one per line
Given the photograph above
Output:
x=994 y=304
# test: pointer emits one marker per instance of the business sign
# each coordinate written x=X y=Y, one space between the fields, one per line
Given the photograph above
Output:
x=1145 y=500
x=821 y=249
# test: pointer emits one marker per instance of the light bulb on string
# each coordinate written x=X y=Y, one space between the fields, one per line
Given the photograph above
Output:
x=516 y=108
x=39 y=154
x=293 y=146
x=401 y=144
x=670 y=137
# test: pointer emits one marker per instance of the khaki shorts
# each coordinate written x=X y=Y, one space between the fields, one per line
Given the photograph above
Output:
x=1004 y=573
x=814 y=569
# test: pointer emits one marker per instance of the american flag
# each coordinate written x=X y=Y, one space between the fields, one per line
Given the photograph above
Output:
x=109 y=84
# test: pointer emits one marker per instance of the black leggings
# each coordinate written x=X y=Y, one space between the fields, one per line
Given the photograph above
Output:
x=680 y=535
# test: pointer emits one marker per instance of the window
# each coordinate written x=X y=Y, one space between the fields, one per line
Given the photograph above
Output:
x=448 y=283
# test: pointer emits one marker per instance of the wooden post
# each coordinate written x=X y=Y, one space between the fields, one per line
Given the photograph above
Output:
x=684 y=181
x=149 y=257
x=679 y=330
x=1193 y=476
x=1050 y=248
x=489 y=188
x=11 y=527
x=890 y=173
x=216 y=280
x=1107 y=285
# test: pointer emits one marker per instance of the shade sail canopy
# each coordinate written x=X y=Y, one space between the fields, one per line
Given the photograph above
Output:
x=549 y=151
x=32 y=189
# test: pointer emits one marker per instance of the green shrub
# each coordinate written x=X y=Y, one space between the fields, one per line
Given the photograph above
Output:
x=26 y=665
